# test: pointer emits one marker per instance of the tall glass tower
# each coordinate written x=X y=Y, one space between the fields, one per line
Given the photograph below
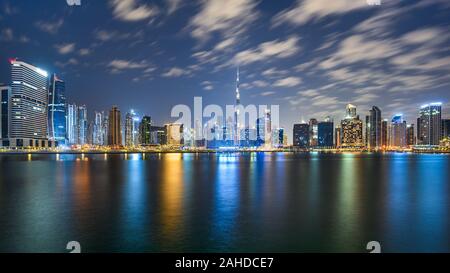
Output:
x=29 y=100
x=57 y=110
x=5 y=95
x=429 y=124
x=373 y=128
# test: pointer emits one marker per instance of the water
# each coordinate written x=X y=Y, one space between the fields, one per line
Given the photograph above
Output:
x=254 y=202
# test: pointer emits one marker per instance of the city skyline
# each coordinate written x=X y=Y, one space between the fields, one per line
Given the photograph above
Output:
x=34 y=113
x=310 y=62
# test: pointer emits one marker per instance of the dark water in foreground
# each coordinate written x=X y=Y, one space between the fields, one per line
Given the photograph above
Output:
x=258 y=202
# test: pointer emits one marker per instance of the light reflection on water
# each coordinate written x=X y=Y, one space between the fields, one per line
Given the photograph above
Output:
x=242 y=202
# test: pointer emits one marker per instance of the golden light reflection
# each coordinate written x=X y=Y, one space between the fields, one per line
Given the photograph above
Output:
x=81 y=183
x=347 y=206
x=172 y=195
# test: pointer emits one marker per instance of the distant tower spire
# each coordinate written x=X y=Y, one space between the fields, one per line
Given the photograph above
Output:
x=238 y=95
x=236 y=113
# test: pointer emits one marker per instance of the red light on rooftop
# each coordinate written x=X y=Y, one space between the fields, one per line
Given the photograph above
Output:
x=11 y=60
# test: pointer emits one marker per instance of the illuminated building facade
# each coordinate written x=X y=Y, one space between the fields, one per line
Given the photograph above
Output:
x=114 y=128
x=445 y=129
x=158 y=135
x=57 y=127
x=5 y=96
x=174 y=133
x=325 y=133
x=338 y=136
x=99 y=136
x=313 y=132
x=28 y=109
x=82 y=125
x=397 y=132
x=410 y=135
x=145 y=129
x=429 y=124
x=301 y=135
x=131 y=129
x=374 y=128
x=352 y=129
x=384 y=133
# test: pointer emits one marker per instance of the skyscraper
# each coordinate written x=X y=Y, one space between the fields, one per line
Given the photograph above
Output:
x=72 y=124
x=384 y=133
x=373 y=128
x=338 y=136
x=158 y=135
x=260 y=132
x=350 y=111
x=174 y=133
x=352 y=129
x=82 y=125
x=410 y=135
x=301 y=135
x=145 y=130
x=29 y=101
x=129 y=130
x=277 y=137
x=397 y=132
x=5 y=96
x=114 y=128
x=57 y=110
x=313 y=132
x=446 y=128
x=98 y=135
x=429 y=124
x=325 y=133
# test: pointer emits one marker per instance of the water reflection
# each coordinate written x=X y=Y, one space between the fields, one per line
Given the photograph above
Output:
x=171 y=191
x=280 y=202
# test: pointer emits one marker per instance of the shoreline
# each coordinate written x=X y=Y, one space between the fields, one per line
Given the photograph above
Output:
x=217 y=151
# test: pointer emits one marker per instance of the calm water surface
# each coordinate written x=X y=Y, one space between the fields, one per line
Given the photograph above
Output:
x=254 y=202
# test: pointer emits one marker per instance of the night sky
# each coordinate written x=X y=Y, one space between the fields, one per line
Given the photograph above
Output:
x=311 y=57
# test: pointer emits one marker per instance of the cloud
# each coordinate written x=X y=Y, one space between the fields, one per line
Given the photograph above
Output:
x=119 y=65
x=104 y=35
x=65 y=48
x=288 y=82
x=175 y=72
x=84 y=51
x=268 y=50
x=274 y=73
x=309 y=93
x=228 y=17
x=425 y=35
x=207 y=85
x=7 y=35
x=173 y=5
x=267 y=93
x=307 y=10
x=50 y=27
x=10 y=10
x=324 y=101
x=130 y=10
x=71 y=61
x=259 y=83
